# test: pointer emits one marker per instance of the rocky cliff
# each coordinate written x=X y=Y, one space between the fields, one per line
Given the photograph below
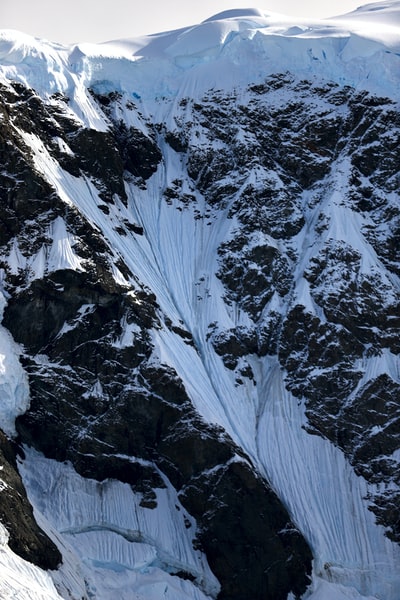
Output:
x=201 y=305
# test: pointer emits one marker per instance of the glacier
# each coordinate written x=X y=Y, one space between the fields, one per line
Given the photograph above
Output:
x=110 y=550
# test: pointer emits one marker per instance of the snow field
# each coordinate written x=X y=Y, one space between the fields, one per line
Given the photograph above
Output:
x=122 y=547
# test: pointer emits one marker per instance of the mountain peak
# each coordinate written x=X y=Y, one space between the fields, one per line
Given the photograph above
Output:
x=199 y=291
x=237 y=13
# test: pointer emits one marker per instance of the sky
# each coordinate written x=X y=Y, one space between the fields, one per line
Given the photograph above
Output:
x=73 y=21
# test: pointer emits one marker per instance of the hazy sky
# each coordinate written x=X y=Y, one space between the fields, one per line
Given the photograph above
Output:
x=101 y=20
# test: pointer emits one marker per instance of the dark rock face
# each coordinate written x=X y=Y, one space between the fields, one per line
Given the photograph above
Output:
x=291 y=147
x=98 y=397
x=16 y=514
x=100 y=159
x=144 y=412
x=139 y=153
x=238 y=492
x=368 y=431
x=23 y=191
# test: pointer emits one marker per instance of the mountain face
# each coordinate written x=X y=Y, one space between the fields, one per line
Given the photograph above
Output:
x=200 y=303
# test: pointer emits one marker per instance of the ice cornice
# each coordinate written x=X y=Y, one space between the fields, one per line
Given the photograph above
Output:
x=230 y=49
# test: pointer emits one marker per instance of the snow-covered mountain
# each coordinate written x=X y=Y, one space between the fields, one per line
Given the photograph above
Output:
x=199 y=349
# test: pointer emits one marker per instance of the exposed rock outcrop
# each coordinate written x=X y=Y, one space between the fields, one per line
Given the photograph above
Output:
x=293 y=281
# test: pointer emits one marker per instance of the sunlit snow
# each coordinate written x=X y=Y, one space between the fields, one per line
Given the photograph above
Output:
x=14 y=388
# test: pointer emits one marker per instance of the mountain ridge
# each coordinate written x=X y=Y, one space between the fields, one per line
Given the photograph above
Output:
x=200 y=269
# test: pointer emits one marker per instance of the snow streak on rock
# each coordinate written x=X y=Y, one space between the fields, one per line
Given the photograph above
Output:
x=200 y=282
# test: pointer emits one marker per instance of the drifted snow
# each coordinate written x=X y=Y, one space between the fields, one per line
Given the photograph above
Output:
x=20 y=579
x=125 y=550
x=61 y=254
x=324 y=496
x=50 y=257
x=355 y=49
x=14 y=388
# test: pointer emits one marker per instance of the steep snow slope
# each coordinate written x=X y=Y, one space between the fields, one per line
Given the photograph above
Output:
x=204 y=98
x=120 y=550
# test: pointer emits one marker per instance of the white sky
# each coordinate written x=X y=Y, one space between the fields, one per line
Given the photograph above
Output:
x=101 y=20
